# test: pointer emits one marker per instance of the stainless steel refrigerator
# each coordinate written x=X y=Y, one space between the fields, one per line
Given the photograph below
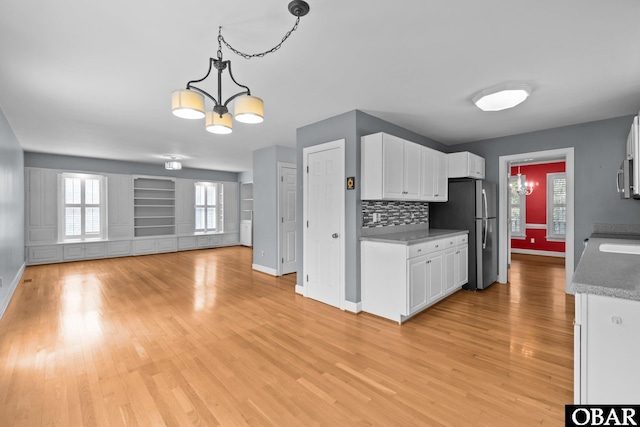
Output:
x=472 y=206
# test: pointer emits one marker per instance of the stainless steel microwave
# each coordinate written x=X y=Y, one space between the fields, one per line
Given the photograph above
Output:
x=628 y=180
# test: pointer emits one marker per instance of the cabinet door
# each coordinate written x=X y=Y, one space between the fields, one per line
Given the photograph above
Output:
x=435 y=275
x=245 y=233
x=477 y=166
x=462 y=265
x=441 y=177
x=450 y=269
x=231 y=211
x=119 y=212
x=418 y=275
x=41 y=207
x=411 y=170
x=392 y=167
x=185 y=206
x=428 y=174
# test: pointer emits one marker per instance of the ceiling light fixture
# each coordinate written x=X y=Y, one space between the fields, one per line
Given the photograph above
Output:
x=173 y=164
x=502 y=97
x=189 y=103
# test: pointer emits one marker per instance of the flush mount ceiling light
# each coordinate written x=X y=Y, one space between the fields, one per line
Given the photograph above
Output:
x=189 y=103
x=173 y=164
x=502 y=97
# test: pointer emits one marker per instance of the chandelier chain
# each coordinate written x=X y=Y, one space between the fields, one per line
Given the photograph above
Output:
x=256 y=55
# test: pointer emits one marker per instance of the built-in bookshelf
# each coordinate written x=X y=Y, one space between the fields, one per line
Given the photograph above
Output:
x=154 y=212
x=246 y=208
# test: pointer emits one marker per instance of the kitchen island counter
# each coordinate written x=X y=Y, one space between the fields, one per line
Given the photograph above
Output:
x=607 y=273
x=412 y=237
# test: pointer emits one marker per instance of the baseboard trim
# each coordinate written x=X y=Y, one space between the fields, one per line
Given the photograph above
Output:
x=536 y=252
x=300 y=290
x=354 y=307
x=12 y=288
x=263 y=269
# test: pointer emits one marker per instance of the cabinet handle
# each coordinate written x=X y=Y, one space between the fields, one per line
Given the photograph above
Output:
x=419 y=250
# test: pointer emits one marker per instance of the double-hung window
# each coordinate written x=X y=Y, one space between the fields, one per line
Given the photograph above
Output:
x=207 y=207
x=82 y=202
x=517 y=209
x=556 y=205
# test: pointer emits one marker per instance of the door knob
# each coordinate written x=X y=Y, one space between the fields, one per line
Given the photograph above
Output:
x=334 y=235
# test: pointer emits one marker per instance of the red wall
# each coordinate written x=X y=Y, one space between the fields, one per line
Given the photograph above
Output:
x=537 y=207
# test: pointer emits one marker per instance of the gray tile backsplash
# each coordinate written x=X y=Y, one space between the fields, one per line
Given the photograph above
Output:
x=392 y=213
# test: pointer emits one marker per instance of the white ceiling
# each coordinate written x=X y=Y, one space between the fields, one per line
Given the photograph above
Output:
x=94 y=78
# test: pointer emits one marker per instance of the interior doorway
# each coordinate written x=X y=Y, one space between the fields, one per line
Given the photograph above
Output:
x=324 y=223
x=564 y=154
x=286 y=218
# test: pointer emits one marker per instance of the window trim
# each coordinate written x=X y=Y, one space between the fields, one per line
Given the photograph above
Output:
x=522 y=233
x=219 y=215
x=62 y=205
x=551 y=236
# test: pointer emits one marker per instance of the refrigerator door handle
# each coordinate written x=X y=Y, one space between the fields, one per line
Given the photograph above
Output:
x=485 y=231
x=485 y=213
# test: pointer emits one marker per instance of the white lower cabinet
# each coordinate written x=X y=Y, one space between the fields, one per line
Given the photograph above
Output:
x=400 y=280
x=606 y=345
x=153 y=246
x=119 y=248
x=79 y=251
x=44 y=254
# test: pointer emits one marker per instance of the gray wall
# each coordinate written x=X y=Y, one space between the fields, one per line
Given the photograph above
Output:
x=599 y=148
x=350 y=126
x=265 y=202
x=12 y=259
x=87 y=164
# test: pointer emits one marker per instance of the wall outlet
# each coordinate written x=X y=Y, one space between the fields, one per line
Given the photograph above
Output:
x=0 y=281
x=262 y=253
x=533 y=240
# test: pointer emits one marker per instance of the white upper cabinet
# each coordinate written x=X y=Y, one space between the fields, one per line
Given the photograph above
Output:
x=466 y=165
x=434 y=184
x=395 y=169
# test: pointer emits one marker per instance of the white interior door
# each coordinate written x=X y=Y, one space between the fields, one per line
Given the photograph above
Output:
x=324 y=223
x=287 y=206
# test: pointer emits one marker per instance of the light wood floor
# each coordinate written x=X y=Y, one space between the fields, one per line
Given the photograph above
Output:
x=198 y=338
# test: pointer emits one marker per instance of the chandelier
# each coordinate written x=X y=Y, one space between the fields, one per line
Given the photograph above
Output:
x=521 y=186
x=189 y=103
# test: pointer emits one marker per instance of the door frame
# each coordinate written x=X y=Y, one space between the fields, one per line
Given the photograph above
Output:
x=503 y=243
x=279 y=211
x=338 y=144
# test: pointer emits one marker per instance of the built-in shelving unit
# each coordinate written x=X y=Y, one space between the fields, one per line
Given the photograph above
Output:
x=246 y=213
x=154 y=212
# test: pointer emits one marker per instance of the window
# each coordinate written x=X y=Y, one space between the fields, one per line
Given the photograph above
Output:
x=556 y=205
x=517 y=210
x=82 y=207
x=207 y=206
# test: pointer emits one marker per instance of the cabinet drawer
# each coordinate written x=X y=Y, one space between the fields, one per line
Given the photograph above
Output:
x=462 y=240
x=436 y=245
x=416 y=250
x=449 y=242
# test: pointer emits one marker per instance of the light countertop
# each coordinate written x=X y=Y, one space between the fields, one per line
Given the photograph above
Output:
x=413 y=236
x=608 y=274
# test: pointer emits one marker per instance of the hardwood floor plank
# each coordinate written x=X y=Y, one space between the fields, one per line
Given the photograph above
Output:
x=199 y=338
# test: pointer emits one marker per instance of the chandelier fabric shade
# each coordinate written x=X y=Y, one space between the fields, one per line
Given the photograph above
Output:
x=249 y=109
x=219 y=124
x=187 y=104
